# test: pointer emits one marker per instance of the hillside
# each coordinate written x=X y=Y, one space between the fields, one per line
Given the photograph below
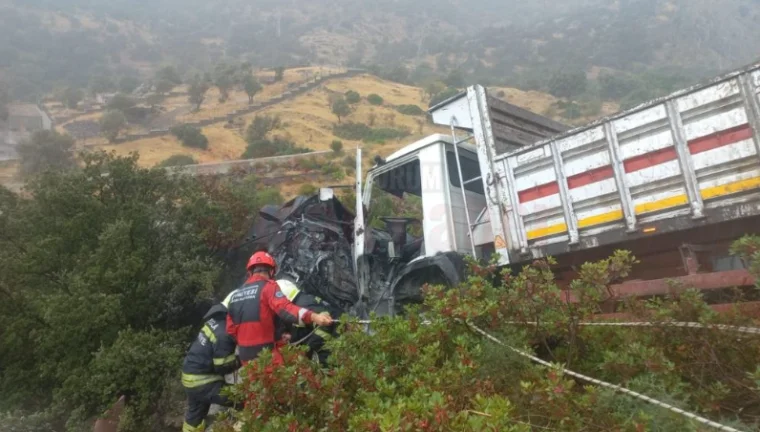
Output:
x=504 y=42
x=306 y=120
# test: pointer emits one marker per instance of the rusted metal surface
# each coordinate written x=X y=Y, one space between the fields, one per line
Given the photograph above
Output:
x=664 y=286
x=705 y=281
x=748 y=309
x=110 y=420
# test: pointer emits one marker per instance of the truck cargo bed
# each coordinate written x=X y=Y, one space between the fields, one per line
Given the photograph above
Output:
x=690 y=160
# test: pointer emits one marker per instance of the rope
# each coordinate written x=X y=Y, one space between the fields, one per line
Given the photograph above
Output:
x=614 y=387
x=696 y=325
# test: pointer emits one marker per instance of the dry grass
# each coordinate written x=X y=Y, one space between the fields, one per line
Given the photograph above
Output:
x=224 y=144
x=8 y=171
x=392 y=93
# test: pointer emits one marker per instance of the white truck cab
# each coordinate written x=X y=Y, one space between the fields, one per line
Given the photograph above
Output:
x=427 y=169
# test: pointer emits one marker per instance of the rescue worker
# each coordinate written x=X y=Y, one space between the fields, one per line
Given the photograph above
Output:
x=209 y=359
x=313 y=337
x=254 y=306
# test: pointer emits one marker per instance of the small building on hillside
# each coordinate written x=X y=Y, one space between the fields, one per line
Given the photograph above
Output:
x=27 y=118
x=23 y=120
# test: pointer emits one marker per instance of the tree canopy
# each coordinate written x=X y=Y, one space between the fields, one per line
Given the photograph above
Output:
x=46 y=150
x=107 y=271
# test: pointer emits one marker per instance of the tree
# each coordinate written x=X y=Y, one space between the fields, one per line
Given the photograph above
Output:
x=166 y=79
x=375 y=99
x=71 y=97
x=353 y=97
x=251 y=86
x=112 y=123
x=170 y=74
x=121 y=102
x=224 y=79
x=341 y=108
x=567 y=84
x=190 y=136
x=197 y=91
x=112 y=317
x=128 y=83
x=279 y=73
x=178 y=160
x=337 y=147
x=454 y=79
x=261 y=126
x=46 y=150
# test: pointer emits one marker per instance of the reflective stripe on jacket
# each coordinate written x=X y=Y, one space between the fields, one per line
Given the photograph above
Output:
x=212 y=354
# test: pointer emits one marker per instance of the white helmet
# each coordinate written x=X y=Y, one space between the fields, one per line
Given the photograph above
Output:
x=288 y=288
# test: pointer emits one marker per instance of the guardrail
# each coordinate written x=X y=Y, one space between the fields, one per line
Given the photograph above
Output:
x=217 y=168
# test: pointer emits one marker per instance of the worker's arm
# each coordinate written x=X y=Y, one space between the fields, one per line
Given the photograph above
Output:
x=231 y=328
x=225 y=359
x=281 y=306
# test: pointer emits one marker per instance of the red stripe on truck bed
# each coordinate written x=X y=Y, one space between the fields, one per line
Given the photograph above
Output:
x=637 y=163
x=720 y=139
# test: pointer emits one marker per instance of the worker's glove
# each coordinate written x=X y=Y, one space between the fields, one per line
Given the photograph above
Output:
x=322 y=320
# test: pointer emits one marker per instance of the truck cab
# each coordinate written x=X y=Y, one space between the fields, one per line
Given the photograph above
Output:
x=420 y=207
x=425 y=177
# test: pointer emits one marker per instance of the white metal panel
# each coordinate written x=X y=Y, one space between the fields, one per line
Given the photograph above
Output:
x=755 y=78
x=535 y=178
x=715 y=123
x=458 y=110
x=660 y=195
x=437 y=223
x=639 y=119
x=540 y=205
x=708 y=95
x=730 y=177
x=593 y=190
x=653 y=174
x=581 y=139
x=587 y=162
x=646 y=143
x=723 y=155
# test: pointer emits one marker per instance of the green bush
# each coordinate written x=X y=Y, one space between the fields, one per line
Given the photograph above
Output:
x=276 y=147
x=308 y=189
x=178 y=160
x=412 y=110
x=336 y=146
x=353 y=97
x=190 y=136
x=375 y=99
x=349 y=162
x=443 y=376
x=261 y=126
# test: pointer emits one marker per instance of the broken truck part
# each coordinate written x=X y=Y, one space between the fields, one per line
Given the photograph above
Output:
x=674 y=181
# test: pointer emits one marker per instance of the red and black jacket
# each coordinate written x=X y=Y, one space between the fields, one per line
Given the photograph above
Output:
x=252 y=309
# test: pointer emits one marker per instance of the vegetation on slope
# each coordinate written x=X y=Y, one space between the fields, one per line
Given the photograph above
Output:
x=443 y=376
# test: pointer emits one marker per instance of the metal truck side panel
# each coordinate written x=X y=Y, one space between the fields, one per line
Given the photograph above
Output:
x=685 y=156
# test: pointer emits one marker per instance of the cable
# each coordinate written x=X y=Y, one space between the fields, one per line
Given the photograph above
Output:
x=614 y=387
x=724 y=327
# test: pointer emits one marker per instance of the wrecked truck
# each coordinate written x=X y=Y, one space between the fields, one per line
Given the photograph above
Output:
x=363 y=262
x=675 y=181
